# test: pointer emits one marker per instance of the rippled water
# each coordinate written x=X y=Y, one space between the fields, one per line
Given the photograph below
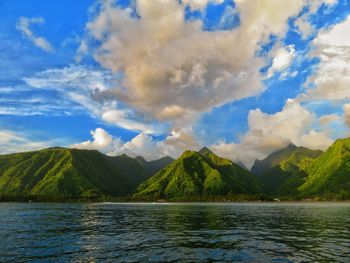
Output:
x=103 y=232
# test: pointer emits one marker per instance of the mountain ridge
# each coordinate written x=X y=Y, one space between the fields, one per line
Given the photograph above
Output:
x=64 y=172
x=282 y=172
x=329 y=174
x=155 y=165
x=291 y=173
x=197 y=173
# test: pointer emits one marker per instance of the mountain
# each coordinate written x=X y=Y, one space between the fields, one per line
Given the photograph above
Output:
x=329 y=175
x=282 y=172
x=272 y=160
x=59 y=172
x=198 y=174
x=154 y=166
x=291 y=173
x=291 y=153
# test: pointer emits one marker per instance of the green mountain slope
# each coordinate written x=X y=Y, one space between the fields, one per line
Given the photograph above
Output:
x=154 y=166
x=198 y=174
x=60 y=172
x=282 y=172
x=329 y=175
x=291 y=153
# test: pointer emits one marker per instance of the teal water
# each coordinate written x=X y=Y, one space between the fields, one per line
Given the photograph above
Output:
x=111 y=232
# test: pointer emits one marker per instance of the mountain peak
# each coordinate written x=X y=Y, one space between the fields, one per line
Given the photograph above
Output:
x=140 y=159
x=274 y=158
x=205 y=151
x=124 y=155
x=290 y=146
x=198 y=173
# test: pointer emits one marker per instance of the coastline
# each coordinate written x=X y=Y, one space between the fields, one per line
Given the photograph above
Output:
x=130 y=200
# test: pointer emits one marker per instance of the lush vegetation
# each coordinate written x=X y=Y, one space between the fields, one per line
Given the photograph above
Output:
x=301 y=173
x=197 y=174
x=329 y=174
x=283 y=172
x=59 y=174
x=154 y=166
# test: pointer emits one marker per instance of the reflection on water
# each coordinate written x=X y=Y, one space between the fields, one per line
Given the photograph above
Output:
x=299 y=232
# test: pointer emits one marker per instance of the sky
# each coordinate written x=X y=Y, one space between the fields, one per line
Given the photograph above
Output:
x=153 y=78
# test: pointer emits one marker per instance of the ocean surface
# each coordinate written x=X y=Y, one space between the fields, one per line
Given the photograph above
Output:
x=206 y=232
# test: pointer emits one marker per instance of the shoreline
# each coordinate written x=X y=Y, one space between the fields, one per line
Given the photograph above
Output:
x=190 y=199
x=170 y=202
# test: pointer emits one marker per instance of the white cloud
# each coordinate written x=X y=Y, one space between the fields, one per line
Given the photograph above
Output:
x=282 y=60
x=346 y=109
x=174 y=71
x=23 y=25
x=295 y=124
x=143 y=144
x=167 y=61
x=228 y=18
x=302 y=23
x=72 y=77
x=86 y=86
x=304 y=27
x=22 y=100
x=315 y=140
x=336 y=35
x=331 y=81
x=122 y=119
x=200 y=4
x=328 y=118
x=102 y=141
x=12 y=142
x=270 y=132
x=171 y=112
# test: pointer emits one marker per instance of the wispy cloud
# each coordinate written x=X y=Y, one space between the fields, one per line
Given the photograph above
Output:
x=85 y=86
x=24 y=24
x=13 y=141
x=24 y=100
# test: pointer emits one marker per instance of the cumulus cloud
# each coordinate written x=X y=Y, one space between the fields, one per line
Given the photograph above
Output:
x=331 y=80
x=24 y=24
x=282 y=60
x=173 y=71
x=270 y=132
x=102 y=141
x=143 y=144
x=172 y=68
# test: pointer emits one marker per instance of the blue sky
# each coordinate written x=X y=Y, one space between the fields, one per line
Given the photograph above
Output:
x=156 y=78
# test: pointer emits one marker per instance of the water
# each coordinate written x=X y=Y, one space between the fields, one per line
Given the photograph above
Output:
x=110 y=232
